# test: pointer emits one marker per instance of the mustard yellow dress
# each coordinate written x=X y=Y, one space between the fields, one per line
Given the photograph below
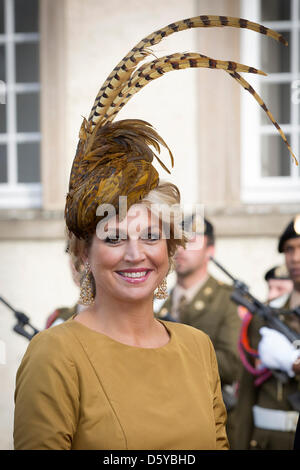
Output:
x=80 y=389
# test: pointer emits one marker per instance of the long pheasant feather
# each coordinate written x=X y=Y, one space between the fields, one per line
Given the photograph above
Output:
x=155 y=69
x=262 y=104
x=128 y=64
x=115 y=158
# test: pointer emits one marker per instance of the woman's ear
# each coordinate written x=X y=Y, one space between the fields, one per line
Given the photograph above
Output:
x=84 y=256
x=84 y=253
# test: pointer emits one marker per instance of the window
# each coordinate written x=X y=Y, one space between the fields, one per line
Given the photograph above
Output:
x=20 y=136
x=269 y=174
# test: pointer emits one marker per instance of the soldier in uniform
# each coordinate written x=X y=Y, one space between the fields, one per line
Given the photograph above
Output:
x=268 y=407
x=279 y=282
x=200 y=300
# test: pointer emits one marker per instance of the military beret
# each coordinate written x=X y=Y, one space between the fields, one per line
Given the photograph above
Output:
x=291 y=231
x=278 y=272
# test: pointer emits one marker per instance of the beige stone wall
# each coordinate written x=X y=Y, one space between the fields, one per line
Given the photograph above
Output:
x=82 y=42
x=219 y=111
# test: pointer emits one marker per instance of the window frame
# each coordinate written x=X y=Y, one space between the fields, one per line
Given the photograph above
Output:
x=13 y=194
x=255 y=188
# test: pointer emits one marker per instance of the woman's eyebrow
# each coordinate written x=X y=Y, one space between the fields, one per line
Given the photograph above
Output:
x=152 y=227
x=115 y=231
x=121 y=233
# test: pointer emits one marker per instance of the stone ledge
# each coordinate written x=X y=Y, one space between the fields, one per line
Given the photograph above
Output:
x=38 y=229
x=30 y=214
x=251 y=220
x=271 y=225
x=31 y=225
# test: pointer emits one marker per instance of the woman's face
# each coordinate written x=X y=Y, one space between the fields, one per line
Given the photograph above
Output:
x=129 y=259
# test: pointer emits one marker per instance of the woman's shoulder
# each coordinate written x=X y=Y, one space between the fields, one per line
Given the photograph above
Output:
x=50 y=353
x=51 y=342
x=56 y=332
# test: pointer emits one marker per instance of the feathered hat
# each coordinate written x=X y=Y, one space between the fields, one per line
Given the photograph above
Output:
x=115 y=158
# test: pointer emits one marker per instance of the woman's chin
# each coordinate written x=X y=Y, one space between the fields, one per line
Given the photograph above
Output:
x=134 y=295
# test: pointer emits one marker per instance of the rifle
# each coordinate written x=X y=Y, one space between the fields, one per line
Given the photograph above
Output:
x=22 y=321
x=242 y=296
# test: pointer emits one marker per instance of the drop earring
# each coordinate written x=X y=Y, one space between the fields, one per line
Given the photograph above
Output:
x=162 y=290
x=86 y=291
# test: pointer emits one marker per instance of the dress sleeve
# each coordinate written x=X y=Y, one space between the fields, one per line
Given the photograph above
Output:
x=46 y=395
x=218 y=404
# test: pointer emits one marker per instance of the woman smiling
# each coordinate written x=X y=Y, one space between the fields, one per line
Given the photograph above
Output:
x=114 y=376
x=126 y=262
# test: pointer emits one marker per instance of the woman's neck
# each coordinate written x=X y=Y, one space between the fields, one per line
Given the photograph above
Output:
x=128 y=322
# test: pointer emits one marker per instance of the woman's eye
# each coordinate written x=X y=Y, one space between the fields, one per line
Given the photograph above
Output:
x=153 y=236
x=113 y=240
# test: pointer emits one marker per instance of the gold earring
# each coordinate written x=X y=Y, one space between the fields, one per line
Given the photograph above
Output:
x=162 y=290
x=86 y=292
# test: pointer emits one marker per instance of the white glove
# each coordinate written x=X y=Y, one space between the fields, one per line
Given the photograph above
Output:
x=276 y=351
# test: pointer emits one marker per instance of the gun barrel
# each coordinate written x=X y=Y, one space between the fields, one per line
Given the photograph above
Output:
x=242 y=296
x=222 y=268
x=22 y=321
x=7 y=304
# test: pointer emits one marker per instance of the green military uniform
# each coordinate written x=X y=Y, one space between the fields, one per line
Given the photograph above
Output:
x=212 y=311
x=271 y=395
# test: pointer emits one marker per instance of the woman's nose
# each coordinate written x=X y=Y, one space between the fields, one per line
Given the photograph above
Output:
x=134 y=251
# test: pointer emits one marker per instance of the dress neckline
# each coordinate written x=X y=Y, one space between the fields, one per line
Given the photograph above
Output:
x=116 y=342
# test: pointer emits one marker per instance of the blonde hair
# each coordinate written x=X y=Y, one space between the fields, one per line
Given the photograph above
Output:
x=164 y=201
